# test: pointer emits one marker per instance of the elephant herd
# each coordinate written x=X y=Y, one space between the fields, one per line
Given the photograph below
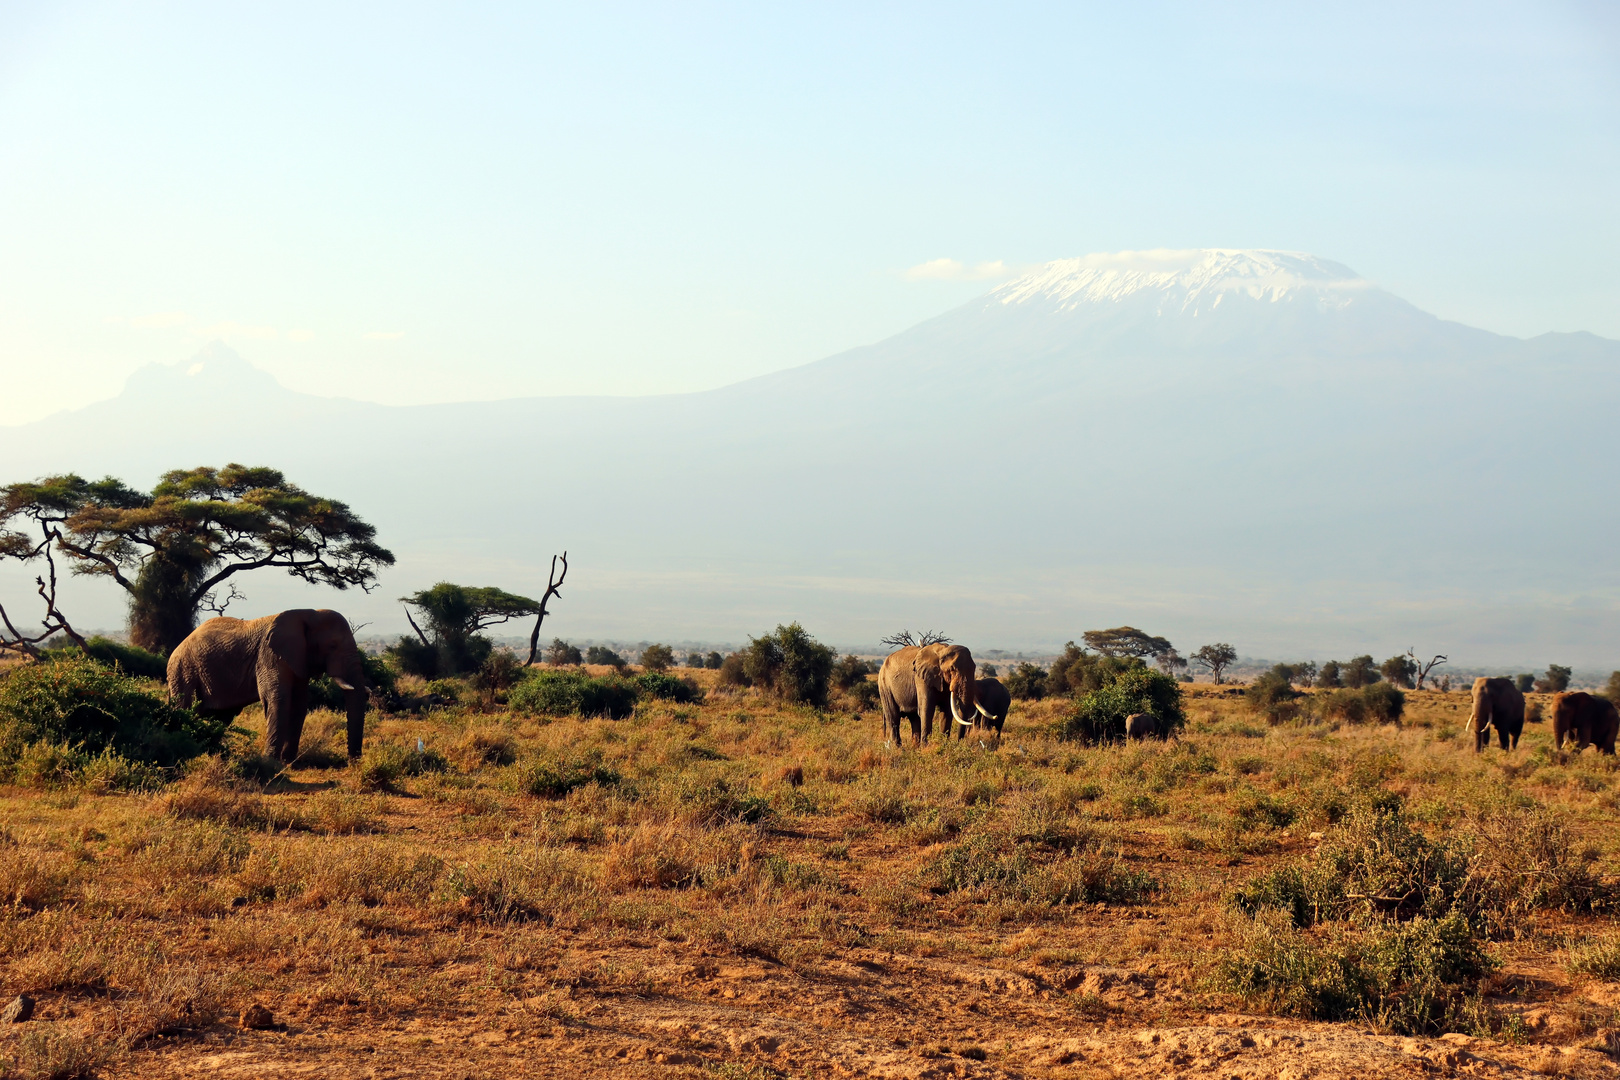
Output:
x=1577 y=717
x=227 y=664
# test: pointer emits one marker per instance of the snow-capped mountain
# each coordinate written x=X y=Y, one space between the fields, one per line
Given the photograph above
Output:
x=1248 y=446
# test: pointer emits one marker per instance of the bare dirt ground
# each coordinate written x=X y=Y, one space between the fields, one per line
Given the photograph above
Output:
x=737 y=889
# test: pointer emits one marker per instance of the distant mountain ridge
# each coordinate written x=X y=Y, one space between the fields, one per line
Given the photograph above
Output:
x=1253 y=446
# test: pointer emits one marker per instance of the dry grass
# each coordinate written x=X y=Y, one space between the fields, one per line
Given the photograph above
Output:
x=651 y=870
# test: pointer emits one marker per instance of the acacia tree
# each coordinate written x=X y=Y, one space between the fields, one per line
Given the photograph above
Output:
x=1215 y=658
x=170 y=550
x=1126 y=641
x=451 y=644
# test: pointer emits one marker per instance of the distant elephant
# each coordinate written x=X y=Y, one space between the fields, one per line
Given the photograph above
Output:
x=1496 y=701
x=917 y=680
x=1584 y=719
x=1140 y=726
x=227 y=664
x=991 y=703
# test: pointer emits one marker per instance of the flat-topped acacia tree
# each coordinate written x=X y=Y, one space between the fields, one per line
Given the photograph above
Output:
x=199 y=528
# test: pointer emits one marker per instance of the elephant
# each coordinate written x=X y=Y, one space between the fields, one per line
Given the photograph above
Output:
x=226 y=664
x=1140 y=726
x=991 y=703
x=1584 y=719
x=1496 y=701
x=916 y=680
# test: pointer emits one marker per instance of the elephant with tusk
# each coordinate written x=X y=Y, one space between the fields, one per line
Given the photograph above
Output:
x=227 y=664
x=917 y=681
x=1496 y=701
x=991 y=703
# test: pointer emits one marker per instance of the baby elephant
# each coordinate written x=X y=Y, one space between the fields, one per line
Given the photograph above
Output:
x=1140 y=726
x=991 y=703
x=1584 y=719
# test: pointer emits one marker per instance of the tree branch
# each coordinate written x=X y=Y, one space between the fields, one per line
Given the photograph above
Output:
x=553 y=588
x=418 y=629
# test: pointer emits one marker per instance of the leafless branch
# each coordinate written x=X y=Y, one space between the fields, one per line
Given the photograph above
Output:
x=1422 y=668
x=418 y=629
x=905 y=639
x=553 y=588
x=54 y=622
x=210 y=602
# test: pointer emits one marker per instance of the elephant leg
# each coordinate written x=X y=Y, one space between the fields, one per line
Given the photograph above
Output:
x=354 y=703
x=1501 y=736
x=278 y=708
x=916 y=729
x=891 y=716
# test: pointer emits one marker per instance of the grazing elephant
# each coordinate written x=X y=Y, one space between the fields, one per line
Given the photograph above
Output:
x=917 y=680
x=226 y=664
x=1584 y=719
x=1496 y=701
x=991 y=703
x=1140 y=725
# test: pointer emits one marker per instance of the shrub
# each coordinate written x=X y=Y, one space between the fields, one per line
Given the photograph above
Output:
x=658 y=658
x=601 y=654
x=1526 y=683
x=1027 y=682
x=790 y=664
x=1100 y=715
x=548 y=777
x=1328 y=678
x=655 y=684
x=78 y=701
x=1599 y=958
x=1360 y=672
x=1556 y=682
x=1273 y=695
x=713 y=661
x=1413 y=977
x=1399 y=670
x=562 y=654
x=1078 y=671
x=128 y=659
x=1612 y=689
x=326 y=694
x=851 y=670
x=383 y=764
x=731 y=671
x=1385 y=704
x=1380 y=703
x=561 y=693
x=865 y=693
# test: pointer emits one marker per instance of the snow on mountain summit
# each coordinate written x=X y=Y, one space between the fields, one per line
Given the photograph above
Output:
x=1188 y=280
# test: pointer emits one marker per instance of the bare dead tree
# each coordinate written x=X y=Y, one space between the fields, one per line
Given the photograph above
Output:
x=1421 y=668
x=904 y=639
x=553 y=588
x=54 y=622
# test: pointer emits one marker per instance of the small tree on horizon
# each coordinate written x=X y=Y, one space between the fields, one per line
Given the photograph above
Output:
x=1215 y=659
x=1126 y=641
x=1360 y=672
x=1329 y=678
x=1399 y=671
x=454 y=614
x=658 y=658
x=562 y=654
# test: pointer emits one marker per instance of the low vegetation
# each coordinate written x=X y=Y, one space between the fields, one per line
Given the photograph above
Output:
x=593 y=859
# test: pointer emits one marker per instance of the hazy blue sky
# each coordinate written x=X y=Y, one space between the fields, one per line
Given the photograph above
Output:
x=407 y=203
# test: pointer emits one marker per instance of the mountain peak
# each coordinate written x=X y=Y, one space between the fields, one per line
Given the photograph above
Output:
x=214 y=371
x=1189 y=280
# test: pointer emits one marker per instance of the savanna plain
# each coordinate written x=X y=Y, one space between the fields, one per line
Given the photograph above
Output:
x=736 y=887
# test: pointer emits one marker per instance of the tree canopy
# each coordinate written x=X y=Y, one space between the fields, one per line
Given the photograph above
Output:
x=1126 y=641
x=454 y=615
x=198 y=528
x=1215 y=658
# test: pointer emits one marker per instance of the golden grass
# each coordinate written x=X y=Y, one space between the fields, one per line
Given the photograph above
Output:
x=734 y=851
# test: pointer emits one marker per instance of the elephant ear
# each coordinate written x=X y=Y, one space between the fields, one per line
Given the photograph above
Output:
x=288 y=643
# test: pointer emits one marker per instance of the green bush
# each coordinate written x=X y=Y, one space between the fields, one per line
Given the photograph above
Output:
x=1360 y=672
x=851 y=670
x=658 y=658
x=1027 y=682
x=790 y=664
x=77 y=701
x=1273 y=696
x=713 y=661
x=656 y=684
x=561 y=654
x=552 y=778
x=865 y=693
x=1079 y=672
x=1385 y=703
x=126 y=658
x=1417 y=978
x=563 y=693
x=1612 y=690
x=1329 y=678
x=731 y=671
x=1100 y=715
x=1380 y=703
x=326 y=694
x=601 y=654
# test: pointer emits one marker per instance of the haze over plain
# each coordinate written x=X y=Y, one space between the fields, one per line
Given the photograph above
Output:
x=511 y=204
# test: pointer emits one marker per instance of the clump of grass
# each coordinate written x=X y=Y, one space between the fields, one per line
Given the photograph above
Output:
x=549 y=777
x=33 y=880
x=384 y=765
x=979 y=866
x=54 y=1052
x=485 y=744
x=880 y=797
x=1414 y=977
x=1599 y=958
x=547 y=885
x=561 y=693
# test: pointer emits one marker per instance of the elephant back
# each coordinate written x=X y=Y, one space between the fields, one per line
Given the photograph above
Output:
x=216 y=665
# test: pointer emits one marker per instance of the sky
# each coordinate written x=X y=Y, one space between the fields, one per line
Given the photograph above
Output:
x=406 y=203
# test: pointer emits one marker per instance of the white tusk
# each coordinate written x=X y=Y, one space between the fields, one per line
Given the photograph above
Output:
x=956 y=713
x=983 y=711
